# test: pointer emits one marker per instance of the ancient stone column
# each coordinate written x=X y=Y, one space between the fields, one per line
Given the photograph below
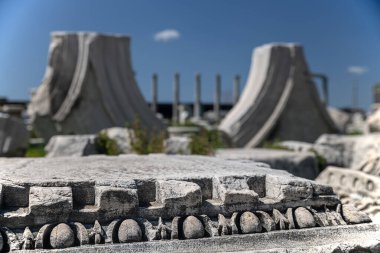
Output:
x=217 y=97
x=236 y=89
x=175 y=115
x=197 y=98
x=279 y=100
x=88 y=85
x=154 y=93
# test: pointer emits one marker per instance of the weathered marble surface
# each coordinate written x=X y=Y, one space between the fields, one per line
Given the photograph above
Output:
x=178 y=145
x=348 y=239
x=278 y=101
x=358 y=186
x=348 y=122
x=73 y=202
x=88 y=85
x=138 y=184
x=71 y=145
x=13 y=136
x=349 y=150
x=301 y=164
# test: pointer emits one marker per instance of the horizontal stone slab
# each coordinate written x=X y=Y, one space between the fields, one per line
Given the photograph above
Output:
x=153 y=186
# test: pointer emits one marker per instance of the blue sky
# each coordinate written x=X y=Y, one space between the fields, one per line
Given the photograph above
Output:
x=209 y=36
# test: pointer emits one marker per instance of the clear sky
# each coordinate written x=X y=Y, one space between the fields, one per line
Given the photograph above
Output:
x=206 y=36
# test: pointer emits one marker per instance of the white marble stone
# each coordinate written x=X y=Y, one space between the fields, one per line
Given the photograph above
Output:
x=89 y=85
x=279 y=99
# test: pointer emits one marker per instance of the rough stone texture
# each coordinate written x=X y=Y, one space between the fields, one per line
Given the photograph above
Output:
x=234 y=190
x=278 y=101
x=249 y=223
x=61 y=237
x=331 y=155
x=352 y=151
x=115 y=201
x=71 y=145
x=13 y=136
x=354 y=216
x=50 y=204
x=88 y=85
x=97 y=233
x=129 y=231
x=281 y=220
x=28 y=239
x=373 y=121
x=356 y=186
x=304 y=218
x=98 y=200
x=81 y=234
x=177 y=145
x=266 y=221
x=348 y=122
x=299 y=164
x=193 y=228
x=286 y=189
x=178 y=194
x=346 y=239
x=85 y=189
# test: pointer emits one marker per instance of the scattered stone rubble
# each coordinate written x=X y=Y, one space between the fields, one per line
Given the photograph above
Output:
x=357 y=186
x=349 y=121
x=348 y=151
x=88 y=85
x=87 y=144
x=113 y=204
x=71 y=145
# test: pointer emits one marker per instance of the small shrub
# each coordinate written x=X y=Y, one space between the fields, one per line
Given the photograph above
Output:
x=206 y=142
x=355 y=132
x=156 y=144
x=105 y=145
x=144 y=142
x=35 y=151
x=275 y=144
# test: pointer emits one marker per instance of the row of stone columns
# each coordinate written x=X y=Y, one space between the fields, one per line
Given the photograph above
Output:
x=197 y=95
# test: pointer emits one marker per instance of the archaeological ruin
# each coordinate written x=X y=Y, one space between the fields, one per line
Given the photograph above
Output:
x=158 y=203
x=357 y=186
x=279 y=100
x=89 y=85
x=189 y=126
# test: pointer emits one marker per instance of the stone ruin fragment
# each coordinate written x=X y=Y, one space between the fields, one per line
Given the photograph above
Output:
x=358 y=186
x=89 y=85
x=161 y=203
x=279 y=101
x=13 y=136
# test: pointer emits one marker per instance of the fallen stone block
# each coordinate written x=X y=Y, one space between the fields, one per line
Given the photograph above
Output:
x=303 y=164
x=71 y=145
